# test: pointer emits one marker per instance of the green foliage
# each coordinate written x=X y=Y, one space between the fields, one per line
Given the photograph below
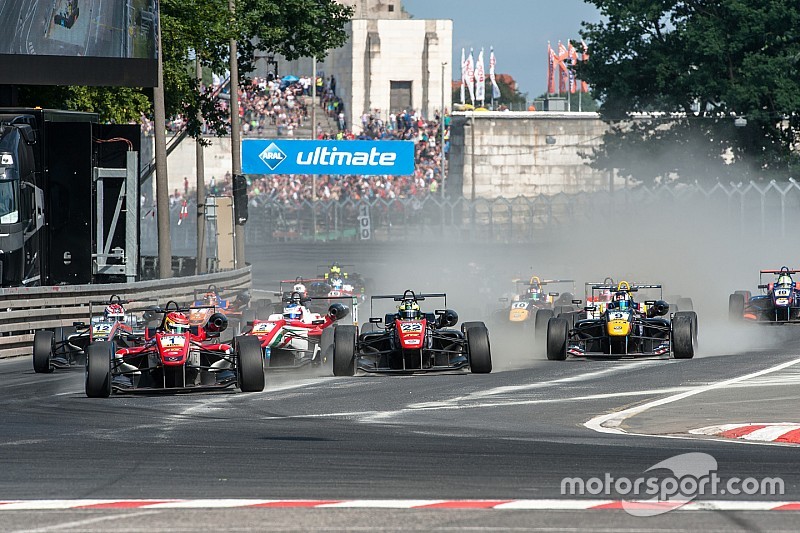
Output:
x=509 y=95
x=300 y=28
x=695 y=66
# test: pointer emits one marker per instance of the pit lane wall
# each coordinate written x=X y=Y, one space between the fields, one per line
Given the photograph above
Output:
x=28 y=309
x=510 y=154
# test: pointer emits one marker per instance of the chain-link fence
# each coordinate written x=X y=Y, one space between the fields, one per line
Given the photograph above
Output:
x=753 y=209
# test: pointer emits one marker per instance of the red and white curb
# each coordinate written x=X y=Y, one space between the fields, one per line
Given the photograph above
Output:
x=537 y=505
x=779 y=432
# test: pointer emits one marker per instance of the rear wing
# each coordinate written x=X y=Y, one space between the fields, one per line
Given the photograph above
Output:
x=622 y=286
x=400 y=297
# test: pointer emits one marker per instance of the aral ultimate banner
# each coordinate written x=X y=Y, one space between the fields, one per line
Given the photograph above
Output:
x=264 y=156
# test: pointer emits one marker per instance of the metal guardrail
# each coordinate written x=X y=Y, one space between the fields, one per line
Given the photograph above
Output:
x=28 y=309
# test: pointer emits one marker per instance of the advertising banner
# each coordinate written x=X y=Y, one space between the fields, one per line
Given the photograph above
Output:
x=265 y=156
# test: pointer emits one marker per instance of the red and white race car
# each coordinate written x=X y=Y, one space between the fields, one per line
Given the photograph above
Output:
x=297 y=337
x=175 y=356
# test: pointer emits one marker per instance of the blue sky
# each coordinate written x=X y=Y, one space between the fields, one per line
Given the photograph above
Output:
x=518 y=30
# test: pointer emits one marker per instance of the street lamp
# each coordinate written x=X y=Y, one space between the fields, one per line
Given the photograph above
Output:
x=442 y=114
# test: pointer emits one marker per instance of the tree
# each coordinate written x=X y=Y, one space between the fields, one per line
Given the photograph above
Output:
x=509 y=94
x=300 y=28
x=694 y=67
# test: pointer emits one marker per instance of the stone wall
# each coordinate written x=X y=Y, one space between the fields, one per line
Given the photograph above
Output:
x=525 y=153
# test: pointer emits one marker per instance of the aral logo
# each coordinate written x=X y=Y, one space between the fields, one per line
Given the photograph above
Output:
x=272 y=156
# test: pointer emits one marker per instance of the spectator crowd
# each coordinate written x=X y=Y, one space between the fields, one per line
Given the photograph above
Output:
x=281 y=107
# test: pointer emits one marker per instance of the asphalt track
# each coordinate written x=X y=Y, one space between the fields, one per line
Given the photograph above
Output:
x=514 y=434
x=379 y=445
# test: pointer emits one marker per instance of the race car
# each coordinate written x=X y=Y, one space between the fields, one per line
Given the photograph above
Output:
x=317 y=293
x=298 y=337
x=625 y=328
x=780 y=303
x=338 y=278
x=525 y=307
x=410 y=341
x=64 y=347
x=173 y=356
x=239 y=309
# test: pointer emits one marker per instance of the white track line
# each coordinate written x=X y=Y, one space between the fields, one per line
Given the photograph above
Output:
x=78 y=523
x=611 y=422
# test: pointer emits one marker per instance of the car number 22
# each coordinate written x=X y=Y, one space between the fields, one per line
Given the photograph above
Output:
x=413 y=327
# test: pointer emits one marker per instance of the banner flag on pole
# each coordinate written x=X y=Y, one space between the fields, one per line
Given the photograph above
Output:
x=471 y=77
x=480 y=79
x=463 y=75
x=585 y=57
x=551 y=70
x=563 y=81
x=573 y=60
x=492 y=63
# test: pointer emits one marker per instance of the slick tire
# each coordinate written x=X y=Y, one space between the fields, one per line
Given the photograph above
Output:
x=43 y=344
x=747 y=295
x=480 y=352
x=344 y=350
x=98 y=369
x=683 y=340
x=249 y=364
x=326 y=345
x=466 y=325
x=557 y=332
x=685 y=304
x=540 y=321
x=736 y=307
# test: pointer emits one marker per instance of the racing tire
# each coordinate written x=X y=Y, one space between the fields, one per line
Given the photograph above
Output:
x=344 y=350
x=249 y=364
x=480 y=351
x=557 y=333
x=747 y=294
x=685 y=304
x=540 y=321
x=98 y=369
x=43 y=344
x=466 y=325
x=736 y=307
x=683 y=339
x=568 y=311
x=326 y=345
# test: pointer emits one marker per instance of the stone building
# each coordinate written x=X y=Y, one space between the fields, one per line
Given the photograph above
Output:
x=391 y=62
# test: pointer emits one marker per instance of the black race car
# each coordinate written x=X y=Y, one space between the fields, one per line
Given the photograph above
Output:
x=623 y=328
x=411 y=341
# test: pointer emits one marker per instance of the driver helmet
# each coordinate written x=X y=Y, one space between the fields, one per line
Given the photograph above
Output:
x=622 y=300
x=409 y=310
x=299 y=287
x=534 y=293
x=176 y=323
x=211 y=298
x=114 y=312
x=293 y=311
x=784 y=281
